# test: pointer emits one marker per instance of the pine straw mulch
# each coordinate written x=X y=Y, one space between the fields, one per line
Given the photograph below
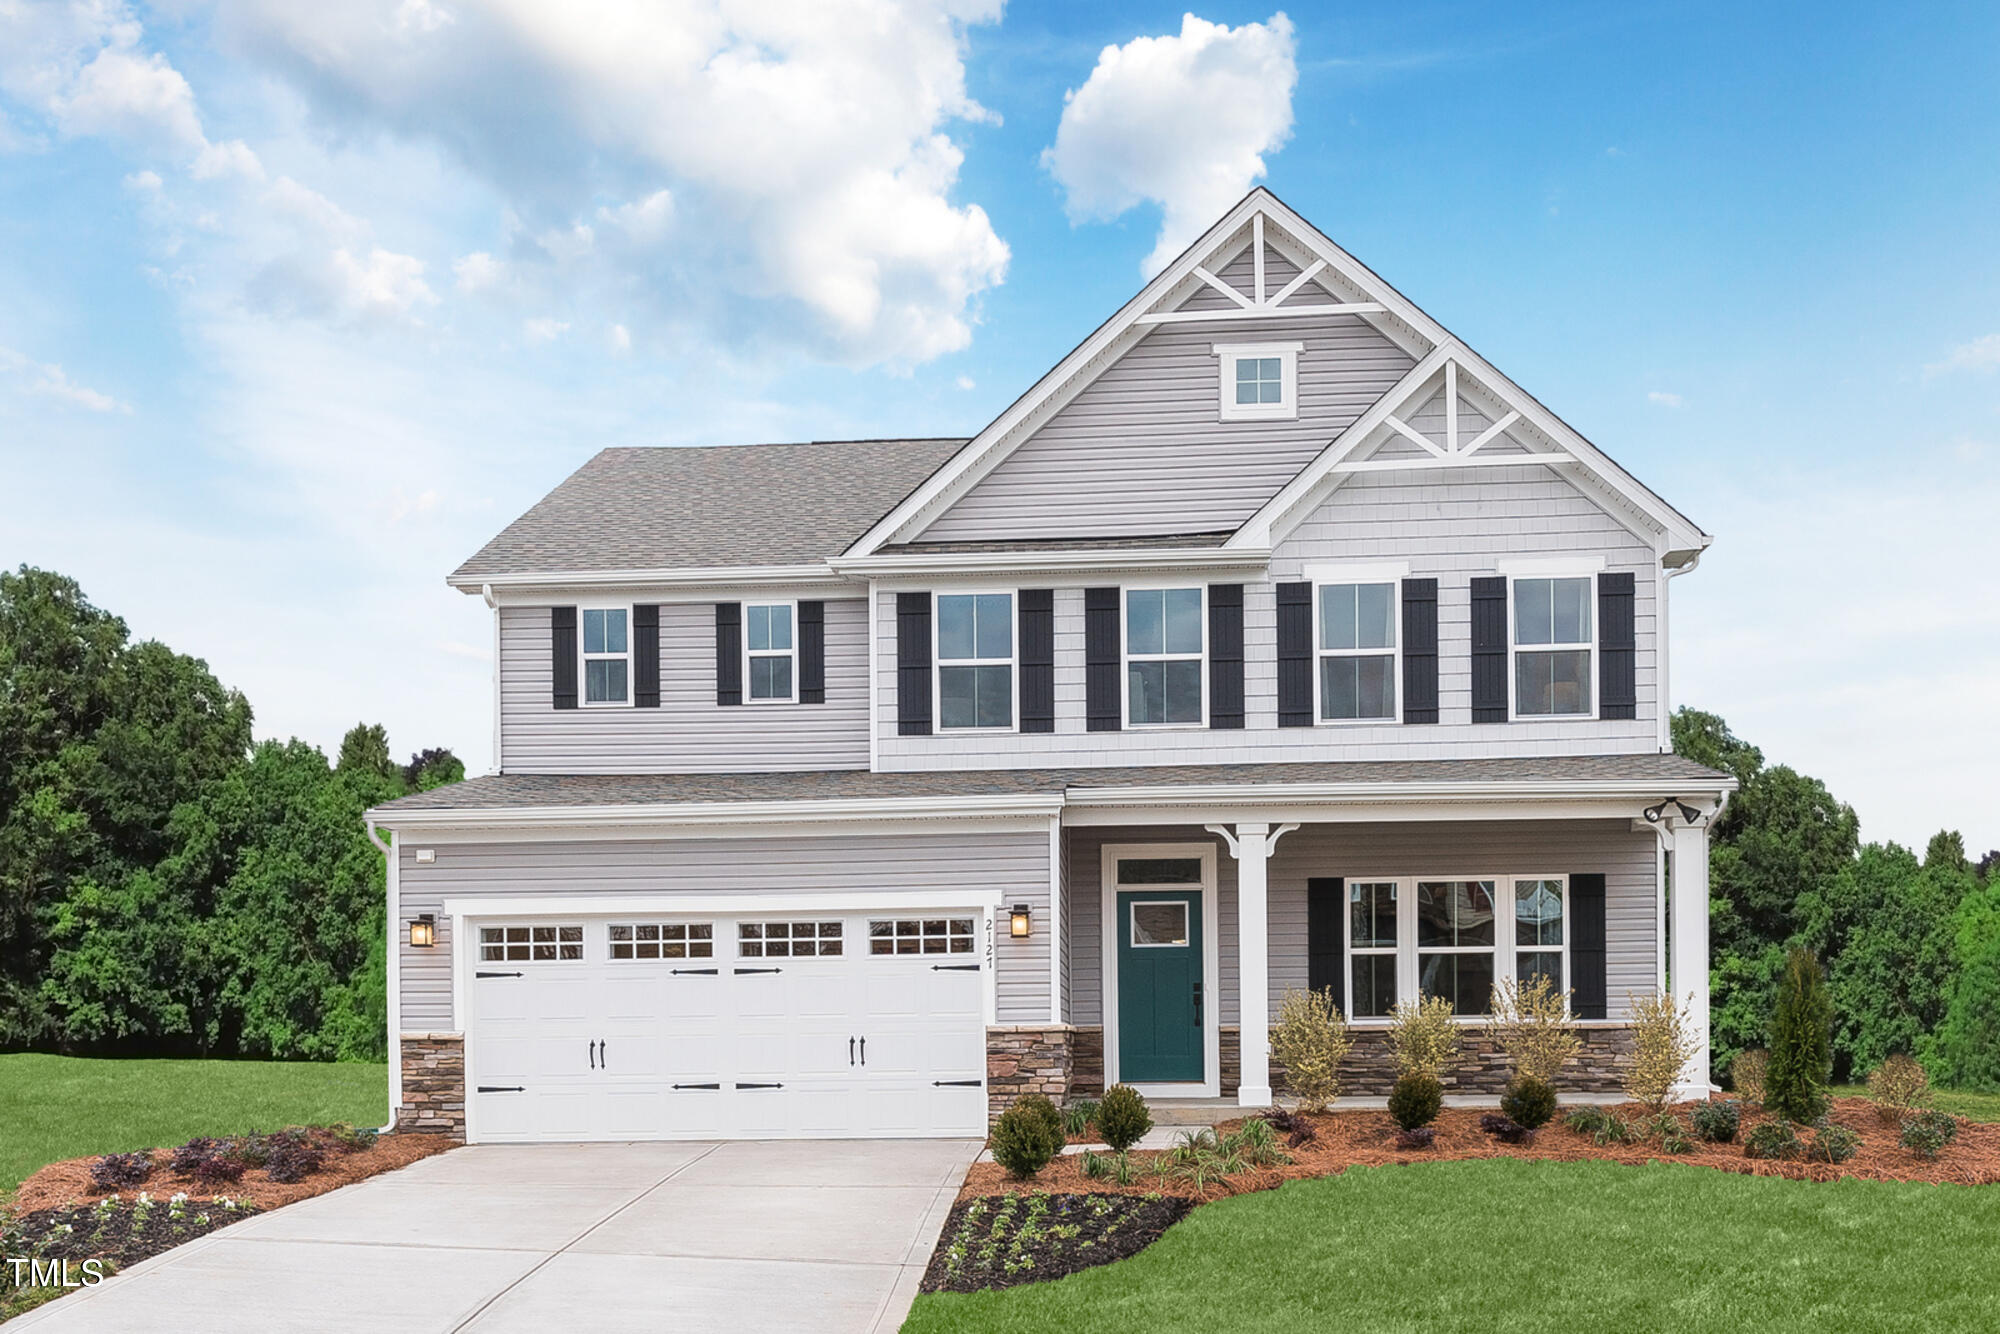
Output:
x=1362 y=1139
x=60 y=1185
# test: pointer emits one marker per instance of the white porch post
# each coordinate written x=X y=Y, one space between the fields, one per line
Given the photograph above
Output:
x=1688 y=975
x=1253 y=963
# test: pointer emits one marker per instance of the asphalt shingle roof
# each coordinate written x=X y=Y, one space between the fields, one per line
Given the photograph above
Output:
x=708 y=507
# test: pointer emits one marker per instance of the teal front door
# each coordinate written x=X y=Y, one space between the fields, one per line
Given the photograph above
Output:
x=1160 y=1005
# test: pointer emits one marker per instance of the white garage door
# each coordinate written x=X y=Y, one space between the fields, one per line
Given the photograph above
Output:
x=827 y=1025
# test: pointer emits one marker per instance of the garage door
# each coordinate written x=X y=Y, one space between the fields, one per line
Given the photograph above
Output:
x=827 y=1025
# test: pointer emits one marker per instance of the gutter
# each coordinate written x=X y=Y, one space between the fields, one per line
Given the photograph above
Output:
x=1055 y=562
x=711 y=576
x=1383 y=791
x=725 y=813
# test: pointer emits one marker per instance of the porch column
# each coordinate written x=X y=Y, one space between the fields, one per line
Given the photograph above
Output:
x=1251 y=844
x=1688 y=968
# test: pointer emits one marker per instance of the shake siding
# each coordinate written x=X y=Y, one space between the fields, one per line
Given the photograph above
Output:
x=1465 y=848
x=1013 y=865
x=1451 y=526
x=689 y=732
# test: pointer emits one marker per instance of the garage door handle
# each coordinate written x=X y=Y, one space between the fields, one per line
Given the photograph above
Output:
x=864 y=1051
x=956 y=1083
x=496 y=974
x=760 y=1086
x=697 y=1086
x=602 y=1063
x=497 y=1088
x=954 y=968
x=591 y=1049
x=850 y=1051
x=704 y=972
x=741 y=971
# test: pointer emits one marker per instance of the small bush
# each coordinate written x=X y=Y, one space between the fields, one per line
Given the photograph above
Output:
x=1833 y=1144
x=116 y=1171
x=1774 y=1139
x=1122 y=1118
x=1530 y=1023
x=1045 y=1111
x=1746 y=1075
x=1529 y=1101
x=1025 y=1138
x=1586 y=1121
x=1424 y=1036
x=1717 y=1122
x=1673 y=1138
x=1601 y=1126
x=219 y=1170
x=1926 y=1133
x=351 y=1139
x=1078 y=1116
x=1415 y=1137
x=1506 y=1129
x=289 y=1160
x=1416 y=1100
x=1296 y=1129
x=1663 y=1042
x=1795 y=1085
x=1899 y=1087
x=1309 y=1040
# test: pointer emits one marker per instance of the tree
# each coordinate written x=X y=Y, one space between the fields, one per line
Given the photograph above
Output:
x=1965 y=1050
x=365 y=750
x=432 y=768
x=1795 y=1086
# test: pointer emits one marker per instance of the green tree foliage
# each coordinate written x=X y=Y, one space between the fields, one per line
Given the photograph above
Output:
x=1795 y=1086
x=1965 y=1049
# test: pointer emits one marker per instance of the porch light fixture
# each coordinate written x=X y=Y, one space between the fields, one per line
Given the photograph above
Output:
x=423 y=932
x=1688 y=814
x=1018 y=924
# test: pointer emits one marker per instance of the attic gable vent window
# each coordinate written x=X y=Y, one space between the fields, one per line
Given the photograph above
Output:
x=1259 y=381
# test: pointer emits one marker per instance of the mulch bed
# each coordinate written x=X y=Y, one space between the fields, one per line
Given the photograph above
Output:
x=122 y=1234
x=60 y=1185
x=1363 y=1139
x=999 y=1242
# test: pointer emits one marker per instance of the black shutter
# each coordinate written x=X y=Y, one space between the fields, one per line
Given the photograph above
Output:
x=1489 y=649
x=1586 y=945
x=1038 y=660
x=1295 y=667
x=1225 y=655
x=913 y=664
x=562 y=655
x=1326 y=935
x=1101 y=648
x=1420 y=650
x=812 y=653
x=728 y=653
x=1617 y=646
x=646 y=656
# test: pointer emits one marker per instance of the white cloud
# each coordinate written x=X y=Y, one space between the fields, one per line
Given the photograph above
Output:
x=1981 y=354
x=144 y=182
x=620 y=339
x=965 y=382
x=227 y=159
x=384 y=284
x=1181 y=121
x=543 y=329
x=47 y=380
x=477 y=271
x=1663 y=398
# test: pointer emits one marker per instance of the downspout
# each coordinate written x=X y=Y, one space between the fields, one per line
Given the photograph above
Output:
x=493 y=605
x=1666 y=738
x=393 y=979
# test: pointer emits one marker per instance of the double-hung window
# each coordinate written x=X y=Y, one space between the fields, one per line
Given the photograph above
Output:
x=1455 y=943
x=1372 y=935
x=975 y=660
x=607 y=655
x=1540 y=918
x=1165 y=634
x=768 y=642
x=1418 y=936
x=1357 y=652
x=1552 y=647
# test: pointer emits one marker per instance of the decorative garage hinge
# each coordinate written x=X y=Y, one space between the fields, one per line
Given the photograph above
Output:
x=741 y=971
x=501 y=1088
x=496 y=974
x=956 y=1083
x=700 y=972
x=760 y=1086
x=698 y=1086
x=954 y=968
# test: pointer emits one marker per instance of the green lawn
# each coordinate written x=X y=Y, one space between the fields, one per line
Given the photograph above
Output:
x=55 y=1107
x=1971 y=1106
x=1506 y=1245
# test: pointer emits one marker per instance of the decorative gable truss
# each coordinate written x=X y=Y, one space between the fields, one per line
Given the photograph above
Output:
x=1260 y=302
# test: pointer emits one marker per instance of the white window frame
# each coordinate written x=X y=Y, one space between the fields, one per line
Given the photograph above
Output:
x=1409 y=956
x=970 y=935
x=1187 y=925
x=1126 y=657
x=1514 y=949
x=688 y=942
x=1393 y=952
x=1012 y=662
x=584 y=659
x=763 y=921
x=557 y=925
x=1394 y=653
x=792 y=652
x=1228 y=354
x=1587 y=573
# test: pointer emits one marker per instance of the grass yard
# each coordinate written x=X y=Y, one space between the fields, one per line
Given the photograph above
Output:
x=1971 y=1106
x=56 y=1107
x=1509 y=1245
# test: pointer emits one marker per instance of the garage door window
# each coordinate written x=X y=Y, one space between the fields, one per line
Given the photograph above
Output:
x=787 y=940
x=921 y=935
x=662 y=940
x=530 y=944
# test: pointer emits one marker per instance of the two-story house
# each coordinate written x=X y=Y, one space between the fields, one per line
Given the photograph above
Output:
x=1273 y=639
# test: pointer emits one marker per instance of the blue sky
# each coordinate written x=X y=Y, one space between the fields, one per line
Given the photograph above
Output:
x=299 y=304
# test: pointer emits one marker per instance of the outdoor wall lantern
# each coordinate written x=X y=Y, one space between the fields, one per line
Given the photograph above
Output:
x=423 y=932
x=1019 y=926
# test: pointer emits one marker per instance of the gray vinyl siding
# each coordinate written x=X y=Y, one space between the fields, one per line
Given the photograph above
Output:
x=1451 y=526
x=1014 y=865
x=689 y=732
x=1627 y=860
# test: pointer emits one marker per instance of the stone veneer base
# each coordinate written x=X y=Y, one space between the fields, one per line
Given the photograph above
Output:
x=433 y=1101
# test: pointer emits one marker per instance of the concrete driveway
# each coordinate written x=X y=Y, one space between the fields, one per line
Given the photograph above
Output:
x=770 y=1235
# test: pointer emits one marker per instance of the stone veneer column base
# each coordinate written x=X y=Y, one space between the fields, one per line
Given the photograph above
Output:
x=1029 y=1058
x=433 y=1085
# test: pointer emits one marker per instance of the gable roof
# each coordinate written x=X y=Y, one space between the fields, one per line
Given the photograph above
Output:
x=1260 y=218
x=717 y=507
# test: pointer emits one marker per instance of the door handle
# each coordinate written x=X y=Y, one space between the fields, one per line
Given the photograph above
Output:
x=602 y=1064
x=850 y=1051
x=1197 y=1002
x=591 y=1048
x=864 y=1051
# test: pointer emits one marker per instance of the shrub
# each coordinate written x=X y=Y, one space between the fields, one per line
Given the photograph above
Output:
x=1833 y=1144
x=219 y=1170
x=1600 y=1125
x=1122 y=1118
x=1530 y=1023
x=1415 y=1137
x=1899 y=1087
x=209 y=1161
x=1309 y=1040
x=1529 y=1101
x=1294 y=1127
x=1746 y=1074
x=1415 y=1101
x=1078 y=1116
x=1717 y=1122
x=115 y=1171
x=1045 y=1111
x=1773 y=1139
x=1025 y=1138
x=1795 y=1086
x=346 y=1139
x=1663 y=1043
x=1424 y=1036
x=1506 y=1129
x=1585 y=1120
x=292 y=1159
x=1673 y=1138
x=1926 y=1133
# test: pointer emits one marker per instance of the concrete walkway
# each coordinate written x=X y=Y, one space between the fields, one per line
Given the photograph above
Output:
x=768 y=1235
